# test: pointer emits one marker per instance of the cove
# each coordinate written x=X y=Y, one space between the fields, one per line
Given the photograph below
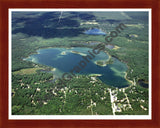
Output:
x=64 y=59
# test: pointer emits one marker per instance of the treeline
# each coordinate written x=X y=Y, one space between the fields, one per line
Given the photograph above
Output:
x=135 y=53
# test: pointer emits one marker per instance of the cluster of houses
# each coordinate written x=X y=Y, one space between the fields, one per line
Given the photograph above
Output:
x=119 y=105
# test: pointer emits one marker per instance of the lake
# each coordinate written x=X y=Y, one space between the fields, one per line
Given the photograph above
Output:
x=64 y=59
x=94 y=31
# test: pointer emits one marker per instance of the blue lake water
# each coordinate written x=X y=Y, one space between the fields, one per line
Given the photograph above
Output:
x=94 y=31
x=65 y=59
x=109 y=46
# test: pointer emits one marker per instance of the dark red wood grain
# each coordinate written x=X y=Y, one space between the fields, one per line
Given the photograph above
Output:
x=6 y=4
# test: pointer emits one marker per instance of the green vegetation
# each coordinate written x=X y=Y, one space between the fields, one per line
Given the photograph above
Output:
x=138 y=99
x=103 y=62
x=134 y=52
x=120 y=95
x=27 y=71
x=34 y=93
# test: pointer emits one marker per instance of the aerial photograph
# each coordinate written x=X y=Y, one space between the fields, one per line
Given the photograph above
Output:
x=70 y=62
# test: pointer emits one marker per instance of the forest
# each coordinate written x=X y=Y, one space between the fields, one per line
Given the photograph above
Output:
x=35 y=93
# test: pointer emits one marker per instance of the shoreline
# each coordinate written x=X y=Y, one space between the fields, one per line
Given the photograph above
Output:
x=70 y=47
x=125 y=76
x=109 y=58
x=79 y=53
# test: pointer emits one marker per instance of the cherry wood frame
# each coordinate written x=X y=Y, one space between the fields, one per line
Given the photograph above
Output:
x=4 y=39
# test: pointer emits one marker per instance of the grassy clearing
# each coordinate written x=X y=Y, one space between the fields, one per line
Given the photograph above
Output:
x=27 y=71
